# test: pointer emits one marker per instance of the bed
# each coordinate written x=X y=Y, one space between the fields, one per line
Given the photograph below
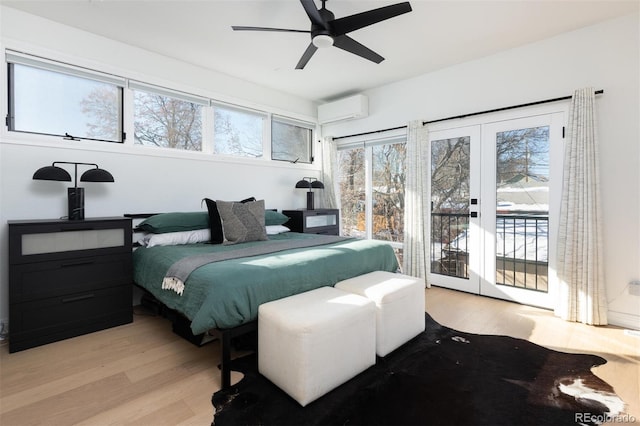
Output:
x=221 y=297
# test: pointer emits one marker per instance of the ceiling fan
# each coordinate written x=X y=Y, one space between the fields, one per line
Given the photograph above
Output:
x=326 y=31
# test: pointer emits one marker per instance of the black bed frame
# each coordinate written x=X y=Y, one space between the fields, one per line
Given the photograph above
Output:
x=181 y=325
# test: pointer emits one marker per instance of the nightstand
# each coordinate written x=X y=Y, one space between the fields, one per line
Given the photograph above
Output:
x=68 y=278
x=318 y=221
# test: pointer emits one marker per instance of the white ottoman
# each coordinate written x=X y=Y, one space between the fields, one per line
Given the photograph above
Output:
x=312 y=342
x=399 y=303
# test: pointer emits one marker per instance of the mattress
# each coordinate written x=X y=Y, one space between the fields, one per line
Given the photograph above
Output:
x=227 y=294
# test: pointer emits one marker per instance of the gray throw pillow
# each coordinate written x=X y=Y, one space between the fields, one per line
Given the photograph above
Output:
x=242 y=222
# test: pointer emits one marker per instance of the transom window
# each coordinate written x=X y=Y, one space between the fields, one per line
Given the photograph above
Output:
x=291 y=140
x=48 y=99
x=53 y=98
x=238 y=131
x=167 y=119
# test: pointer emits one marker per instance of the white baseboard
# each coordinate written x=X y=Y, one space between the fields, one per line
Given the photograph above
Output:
x=624 y=320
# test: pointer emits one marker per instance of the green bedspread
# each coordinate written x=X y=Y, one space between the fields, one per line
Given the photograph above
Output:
x=227 y=294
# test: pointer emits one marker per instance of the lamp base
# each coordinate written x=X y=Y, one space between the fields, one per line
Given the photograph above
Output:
x=309 y=200
x=75 y=203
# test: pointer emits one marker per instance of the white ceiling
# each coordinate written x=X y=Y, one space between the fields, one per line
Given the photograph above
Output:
x=436 y=34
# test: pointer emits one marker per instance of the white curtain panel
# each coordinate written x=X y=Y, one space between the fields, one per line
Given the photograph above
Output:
x=329 y=159
x=415 y=262
x=580 y=269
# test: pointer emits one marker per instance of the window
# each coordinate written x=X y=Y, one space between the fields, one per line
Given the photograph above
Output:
x=54 y=99
x=372 y=180
x=238 y=131
x=47 y=97
x=167 y=119
x=291 y=140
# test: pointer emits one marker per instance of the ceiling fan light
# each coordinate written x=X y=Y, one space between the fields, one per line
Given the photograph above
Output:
x=322 y=41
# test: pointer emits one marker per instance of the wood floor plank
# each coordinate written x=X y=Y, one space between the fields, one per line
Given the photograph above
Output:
x=142 y=373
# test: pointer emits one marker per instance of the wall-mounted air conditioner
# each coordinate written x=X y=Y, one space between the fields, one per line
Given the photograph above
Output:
x=344 y=109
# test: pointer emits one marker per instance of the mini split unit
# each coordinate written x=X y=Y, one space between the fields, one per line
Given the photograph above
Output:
x=344 y=109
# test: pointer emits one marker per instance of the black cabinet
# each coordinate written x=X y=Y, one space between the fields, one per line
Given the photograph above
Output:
x=67 y=278
x=319 y=221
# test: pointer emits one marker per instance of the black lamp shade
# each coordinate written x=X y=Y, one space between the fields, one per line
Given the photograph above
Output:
x=52 y=173
x=96 y=175
x=317 y=184
x=303 y=184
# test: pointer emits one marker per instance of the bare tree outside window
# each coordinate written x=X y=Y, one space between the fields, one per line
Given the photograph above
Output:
x=237 y=132
x=352 y=192
x=388 y=191
x=102 y=105
x=167 y=122
x=386 y=195
x=290 y=142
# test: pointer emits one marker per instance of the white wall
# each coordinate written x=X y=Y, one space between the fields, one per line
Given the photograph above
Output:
x=146 y=179
x=605 y=56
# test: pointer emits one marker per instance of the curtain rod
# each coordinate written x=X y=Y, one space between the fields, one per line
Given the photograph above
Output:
x=564 y=98
x=370 y=133
x=546 y=101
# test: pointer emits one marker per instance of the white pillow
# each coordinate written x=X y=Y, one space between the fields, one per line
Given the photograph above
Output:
x=276 y=229
x=177 y=238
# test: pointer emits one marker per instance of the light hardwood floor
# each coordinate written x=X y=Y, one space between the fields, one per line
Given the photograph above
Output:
x=143 y=374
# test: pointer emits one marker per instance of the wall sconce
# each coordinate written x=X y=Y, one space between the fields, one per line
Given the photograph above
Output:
x=310 y=183
x=75 y=195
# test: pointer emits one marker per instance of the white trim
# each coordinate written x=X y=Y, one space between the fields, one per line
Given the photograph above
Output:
x=171 y=93
x=22 y=58
x=623 y=319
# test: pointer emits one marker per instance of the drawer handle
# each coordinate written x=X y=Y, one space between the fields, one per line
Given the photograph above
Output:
x=78 y=298
x=77 y=263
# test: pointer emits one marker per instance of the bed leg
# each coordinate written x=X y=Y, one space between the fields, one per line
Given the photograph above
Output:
x=225 y=368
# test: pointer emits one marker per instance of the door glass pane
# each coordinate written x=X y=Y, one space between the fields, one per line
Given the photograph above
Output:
x=353 y=192
x=450 y=161
x=522 y=210
x=388 y=191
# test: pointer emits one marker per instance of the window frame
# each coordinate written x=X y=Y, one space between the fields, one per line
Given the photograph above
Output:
x=134 y=85
x=265 y=133
x=297 y=123
x=368 y=144
x=13 y=58
x=126 y=119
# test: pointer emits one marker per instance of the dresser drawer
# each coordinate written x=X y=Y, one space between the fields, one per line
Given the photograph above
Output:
x=47 y=320
x=33 y=241
x=63 y=277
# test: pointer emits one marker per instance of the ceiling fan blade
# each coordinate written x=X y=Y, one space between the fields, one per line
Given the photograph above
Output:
x=350 y=45
x=350 y=23
x=313 y=14
x=241 y=28
x=306 y=56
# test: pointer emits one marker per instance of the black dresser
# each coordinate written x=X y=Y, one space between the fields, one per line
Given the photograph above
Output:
x=68 y=278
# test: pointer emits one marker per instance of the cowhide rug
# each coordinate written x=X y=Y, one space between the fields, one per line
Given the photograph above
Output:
x=441 y=377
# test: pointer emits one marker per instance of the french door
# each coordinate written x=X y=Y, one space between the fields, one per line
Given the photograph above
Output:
x=495 y=193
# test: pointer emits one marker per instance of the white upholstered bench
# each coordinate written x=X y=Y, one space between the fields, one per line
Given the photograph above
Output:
x=310 y=343
x=399 y=303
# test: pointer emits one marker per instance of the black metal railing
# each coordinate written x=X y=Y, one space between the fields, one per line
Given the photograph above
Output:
x=449 y=237
x=521 y=248
x=522 y=242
